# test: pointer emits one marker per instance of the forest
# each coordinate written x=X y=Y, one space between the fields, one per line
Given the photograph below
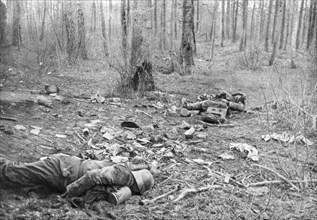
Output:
x=216 y=98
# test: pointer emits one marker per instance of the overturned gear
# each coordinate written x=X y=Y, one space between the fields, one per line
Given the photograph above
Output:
x=144 y=180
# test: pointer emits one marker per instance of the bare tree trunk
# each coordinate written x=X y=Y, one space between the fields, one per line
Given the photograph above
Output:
x=293 y=6
x=277 y=19
x=222 y=22
x=235 y=21
x=262 y=19
x=274 y=21
x=243 y=39
x=124 y=31
x=155 y=16
x=197 y=16
x=283 y=25
x=193 y=30
x=93 y=17
x=163 y=26
x=109 y=20
x=228 y=20
x=287 y=26
x=252 y=23
x=299 y=24
x=187 y=38
x=16 y=32
x=305 y=21
x=81 y=32
x=43 y=23
x=103 y=29
x=311 y=24
x=3 y=18
x=70 y=35
x=267 y=34
x=213 y=29
x=175 y=20
x=172 y=24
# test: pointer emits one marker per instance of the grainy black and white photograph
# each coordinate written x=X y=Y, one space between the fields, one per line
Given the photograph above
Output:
x=158 y=109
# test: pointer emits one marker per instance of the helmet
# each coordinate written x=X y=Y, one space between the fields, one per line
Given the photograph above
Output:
x=144 y=180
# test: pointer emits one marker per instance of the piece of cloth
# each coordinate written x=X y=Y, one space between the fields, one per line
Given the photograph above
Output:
x=55 y=172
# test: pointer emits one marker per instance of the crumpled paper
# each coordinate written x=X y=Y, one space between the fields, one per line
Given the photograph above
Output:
x=251 y=151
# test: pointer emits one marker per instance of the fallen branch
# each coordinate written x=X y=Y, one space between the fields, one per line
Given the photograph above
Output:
x=143 y=112
x=280 y=181
x=218 y=125
x=8 y=118
x=151 y=201
x=202 y=189
x=279 y=175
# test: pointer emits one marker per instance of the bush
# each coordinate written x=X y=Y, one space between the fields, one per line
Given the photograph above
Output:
x=251 y=58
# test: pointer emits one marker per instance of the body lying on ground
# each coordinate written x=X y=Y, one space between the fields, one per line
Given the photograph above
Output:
x=75 y=177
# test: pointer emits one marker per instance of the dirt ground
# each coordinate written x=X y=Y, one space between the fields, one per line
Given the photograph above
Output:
x=189 y=164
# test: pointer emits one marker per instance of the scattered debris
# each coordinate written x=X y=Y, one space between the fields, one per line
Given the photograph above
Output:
x=129 y=124
x=189 y=134
x=60 y=135
x=226 y=156
x=20 y=127
x=258 y=191
x=35 y=131
x=249 y=150
x=42 y=100
x=287 y=138
x=151 y=201
x=51 y=89
x=8 y=118
x=184 y=112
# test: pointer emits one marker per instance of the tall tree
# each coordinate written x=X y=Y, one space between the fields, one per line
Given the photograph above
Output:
x=277 y=18
x=124 y=31
x=163 y=26
x=252 y=32
x=243 y=39
x=299 y=23
x=110 y=18
x=70 y=34
x=175 y=19
x=186 y=49
x=235 y=21
x=228 y=20
x=3 y=18
x=222 y=22
x=311 y=23
x=267 y=33
x=288 y=21
x=283 y=25
x=293 y=6
x=262 y=19
x=16 y=33
x=81 y=32
x=93 y=17
x=103 y=30
x=43 y=23
x=155 y=16
x=213 y=29
x=305 y=21
x=197 y=15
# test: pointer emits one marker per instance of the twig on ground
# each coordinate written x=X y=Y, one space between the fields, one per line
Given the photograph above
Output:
x=151 y=201
x=279 y=181
x=202 y=189
x=279 y=175
x=218 y=125
x=8 y=118
x=143 y=112
x=80 y=137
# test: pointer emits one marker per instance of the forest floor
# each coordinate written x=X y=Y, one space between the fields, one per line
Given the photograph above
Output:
x=187 y=163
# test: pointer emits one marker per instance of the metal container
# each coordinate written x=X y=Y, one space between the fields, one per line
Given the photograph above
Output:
x=120 y=196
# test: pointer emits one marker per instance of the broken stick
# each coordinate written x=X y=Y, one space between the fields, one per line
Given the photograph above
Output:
x=202 y=189
x=279 y=175
x=8 y=118
x=151 y=201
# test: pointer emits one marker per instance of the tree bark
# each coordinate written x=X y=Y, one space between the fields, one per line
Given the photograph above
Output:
x=124 y=31
x=311 y=24
x=70 y=35
x=287 y=26
x=274 y=20
x=175 y=20
x=197 y=16
x=252 y=23
x=163 y=26
x=213 y=29
x=81 y=32
x=278 y=11
x=299 y=24
x=16 y=33
x=228 y=20
x=293 y=6
x=283 y=25
x=155 y=16
x=109 y=19
x=267 y=34
x=93 y=17
x=187 y=37
x=43 y=23
x=103 y=30
x=3 y=18
x=235 y=21
x=262 y=19
x=243 y=39
x=222 y=22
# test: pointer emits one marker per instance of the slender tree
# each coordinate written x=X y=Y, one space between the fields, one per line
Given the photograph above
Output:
x=305 y=21
x=222 y=22
x=175 y=20
x=155 y=16
x=163 y=26
x=124 y=31
x=288 y=20
x=16 y=33
x=235 y=21
x=103 y=30
x=187 y=38
x=262 y=19
x=299 y=23
x=293 y=6
x=277 y=18
x=267 y=33
x=93 y=17
x=243 y=39
x=81 y=32
x=70 y=34
x=109 y=19
x=3 y=18
x=228 y=19
x=213 y=29
x=197 y=15
x=283 y=25
x=252 y=32
x=43 y=23
x=311 y=23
